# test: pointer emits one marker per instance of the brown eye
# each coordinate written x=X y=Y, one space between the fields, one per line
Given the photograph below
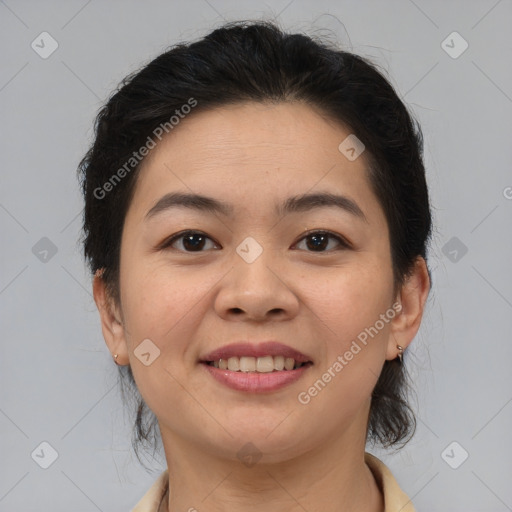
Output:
x=191 y=241
x=195 y=241
x=318 y=241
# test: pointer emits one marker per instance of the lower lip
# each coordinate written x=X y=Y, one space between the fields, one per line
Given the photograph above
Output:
x=255 y=382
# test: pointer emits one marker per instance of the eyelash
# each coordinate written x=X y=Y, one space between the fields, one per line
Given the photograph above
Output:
x=342 y=241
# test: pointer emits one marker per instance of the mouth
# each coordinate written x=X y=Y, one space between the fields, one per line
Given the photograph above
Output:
x=265 y=364
x=265 y=357
x=265 y=367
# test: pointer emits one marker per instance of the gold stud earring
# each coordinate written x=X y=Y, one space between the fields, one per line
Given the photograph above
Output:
x=400 y=353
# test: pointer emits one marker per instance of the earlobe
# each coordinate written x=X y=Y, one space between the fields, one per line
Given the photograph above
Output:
x=111 y=322
x=412 y=297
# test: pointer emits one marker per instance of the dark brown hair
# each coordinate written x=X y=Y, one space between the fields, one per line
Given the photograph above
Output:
x=257 y=61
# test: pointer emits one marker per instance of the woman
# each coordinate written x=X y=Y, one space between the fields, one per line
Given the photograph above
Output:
x=257 y=220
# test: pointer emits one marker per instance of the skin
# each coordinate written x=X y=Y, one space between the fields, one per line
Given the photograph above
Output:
x=317 y=301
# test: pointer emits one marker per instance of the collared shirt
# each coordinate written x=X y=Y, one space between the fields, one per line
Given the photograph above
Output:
x=395 y=500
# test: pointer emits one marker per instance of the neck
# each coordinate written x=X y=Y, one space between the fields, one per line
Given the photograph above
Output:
x=330 y=477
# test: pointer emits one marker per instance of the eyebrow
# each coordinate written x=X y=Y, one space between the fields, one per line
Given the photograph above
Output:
x=294 y=204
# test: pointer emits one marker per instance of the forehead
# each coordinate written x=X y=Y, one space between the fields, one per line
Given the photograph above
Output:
x=253 y=154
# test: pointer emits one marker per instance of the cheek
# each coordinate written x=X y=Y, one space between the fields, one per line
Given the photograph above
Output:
x=165 y=305
x=349 y=300
x=162 y=307
x=349 y=310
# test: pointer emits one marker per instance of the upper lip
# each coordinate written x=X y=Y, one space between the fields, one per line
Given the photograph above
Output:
x=245 y=348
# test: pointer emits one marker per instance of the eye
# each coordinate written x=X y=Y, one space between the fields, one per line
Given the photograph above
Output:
x=320 y=239
x=195 y=241
x=192 y=241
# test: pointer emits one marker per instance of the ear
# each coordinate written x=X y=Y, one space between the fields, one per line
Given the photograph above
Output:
x=111 y=320
x=412 y=297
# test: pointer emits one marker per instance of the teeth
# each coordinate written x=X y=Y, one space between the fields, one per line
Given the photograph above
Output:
x=279 y=363
x=247 y=364
x=234 y=364
x=265 y=364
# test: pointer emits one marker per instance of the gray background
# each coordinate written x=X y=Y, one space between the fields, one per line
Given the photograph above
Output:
x=57 y=380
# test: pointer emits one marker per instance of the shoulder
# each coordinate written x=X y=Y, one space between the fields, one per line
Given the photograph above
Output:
x=395 y=499
x=150 y=502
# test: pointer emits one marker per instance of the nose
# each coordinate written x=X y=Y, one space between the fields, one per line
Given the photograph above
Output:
x=258 y=291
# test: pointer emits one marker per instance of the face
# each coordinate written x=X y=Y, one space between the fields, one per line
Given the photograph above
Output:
x=194 y=280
